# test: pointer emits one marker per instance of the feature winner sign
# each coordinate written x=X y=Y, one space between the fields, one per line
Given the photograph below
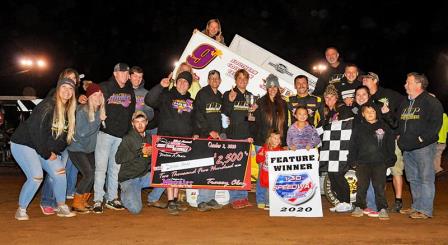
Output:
x=200 y=163
x=294 y=183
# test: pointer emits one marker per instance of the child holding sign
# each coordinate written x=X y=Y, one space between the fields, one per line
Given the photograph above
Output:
x=301 y=135
x=273 y=143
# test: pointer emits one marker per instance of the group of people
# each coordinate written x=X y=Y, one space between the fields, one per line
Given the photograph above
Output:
x=105 y=132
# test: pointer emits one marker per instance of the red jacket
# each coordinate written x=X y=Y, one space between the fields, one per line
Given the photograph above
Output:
x=261 y=159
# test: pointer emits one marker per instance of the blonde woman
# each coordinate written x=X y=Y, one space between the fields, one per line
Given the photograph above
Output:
x=38 y=144
x=213 y=30
x=81 y=151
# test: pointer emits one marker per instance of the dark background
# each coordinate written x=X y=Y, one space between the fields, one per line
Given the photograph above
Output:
x=390 y=38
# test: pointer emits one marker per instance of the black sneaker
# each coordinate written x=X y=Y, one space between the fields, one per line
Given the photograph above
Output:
x=114 y=204
x=214 y=204
x=172 y=208
x=203 y=206
x=98 y=208
x=398 y=205
x=181 y=206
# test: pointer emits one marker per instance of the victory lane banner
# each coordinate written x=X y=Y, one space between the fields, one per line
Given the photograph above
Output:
x=201 y=163
x=294 y=183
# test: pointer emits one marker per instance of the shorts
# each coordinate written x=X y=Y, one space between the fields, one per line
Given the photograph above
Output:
x=397 y=169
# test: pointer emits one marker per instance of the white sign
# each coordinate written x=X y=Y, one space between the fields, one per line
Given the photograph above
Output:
x=196 y=163
x=294 y=183
x=270 y=62
x=205 y=54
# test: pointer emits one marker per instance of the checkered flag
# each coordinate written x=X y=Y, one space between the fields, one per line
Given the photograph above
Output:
x=335 y=141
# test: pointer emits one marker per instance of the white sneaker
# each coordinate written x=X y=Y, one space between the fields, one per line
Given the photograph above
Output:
x=64 y=211
x=333 y=209
x=344 y=207
x=21 y=214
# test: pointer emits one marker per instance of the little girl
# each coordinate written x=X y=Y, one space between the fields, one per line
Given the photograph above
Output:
x=301 y=135
x=273 y=143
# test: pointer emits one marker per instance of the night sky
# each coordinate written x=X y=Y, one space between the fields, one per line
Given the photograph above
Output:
x=391 y=38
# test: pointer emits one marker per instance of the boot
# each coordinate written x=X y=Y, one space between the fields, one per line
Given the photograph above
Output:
x=86 y=197
x=78 y=204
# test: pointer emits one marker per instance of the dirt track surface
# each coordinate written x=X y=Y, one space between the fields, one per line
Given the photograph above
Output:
x=226 y=226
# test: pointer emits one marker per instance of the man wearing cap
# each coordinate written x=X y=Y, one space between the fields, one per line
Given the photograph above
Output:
x=176 y=118
x=314 y=104
x=138 y=83
x=419 y=124
x=208 y=124
x=134 y=156
x=392 y=100
x=120 y=105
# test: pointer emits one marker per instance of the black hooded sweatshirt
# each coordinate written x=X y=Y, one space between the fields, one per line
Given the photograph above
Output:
x=176 y=111
x=372 y=143
x=237 y=111
x=420 y=122
x=36 y=132
x=120 y=105
x=208 y=109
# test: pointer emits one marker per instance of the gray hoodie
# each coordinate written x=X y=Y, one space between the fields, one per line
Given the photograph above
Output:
x=140 y=105
x=85 y=132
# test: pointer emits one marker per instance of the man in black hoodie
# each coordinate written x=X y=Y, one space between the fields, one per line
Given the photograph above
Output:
x=120 y=105
x=207 y=120
x=236 y=108
x=419 y=125
x=176 y=118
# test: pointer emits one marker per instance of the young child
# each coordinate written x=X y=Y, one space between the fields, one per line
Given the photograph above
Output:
x=273 y=143
x=301 y=135
x=372 y=151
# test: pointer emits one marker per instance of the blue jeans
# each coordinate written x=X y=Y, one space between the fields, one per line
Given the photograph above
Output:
x=155 y=194
x=32 y=165
x=206 y=195
x=47 y=197
x=419 y=167
x=105 y=150
x=237 y=195
x=260 y=192
x=371 y=197
x=72 y=177
x=131 y=192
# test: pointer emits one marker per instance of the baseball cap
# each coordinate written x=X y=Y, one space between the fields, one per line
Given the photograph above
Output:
x=370 y=75
x=139 y=114
x=121 y=67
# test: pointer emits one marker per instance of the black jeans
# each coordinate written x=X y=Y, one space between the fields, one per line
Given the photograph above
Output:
x=339 y=186
x=377 y=174
x=85 y=162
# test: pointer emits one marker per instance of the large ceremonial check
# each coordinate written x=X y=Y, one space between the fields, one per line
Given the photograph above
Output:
x=294 y=183
x=200 y=163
